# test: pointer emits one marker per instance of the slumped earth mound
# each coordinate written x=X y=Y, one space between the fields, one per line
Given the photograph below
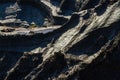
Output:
x=59 y=39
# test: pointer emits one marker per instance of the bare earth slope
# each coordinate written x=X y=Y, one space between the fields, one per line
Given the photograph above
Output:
x=81 y=42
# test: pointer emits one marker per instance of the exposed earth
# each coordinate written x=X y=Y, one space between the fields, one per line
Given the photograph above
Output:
x=59 y=39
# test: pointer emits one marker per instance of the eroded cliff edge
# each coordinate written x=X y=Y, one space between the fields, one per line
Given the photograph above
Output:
x=86 y=46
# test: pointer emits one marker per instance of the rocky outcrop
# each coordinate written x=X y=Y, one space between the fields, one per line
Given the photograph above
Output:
x=86 y=45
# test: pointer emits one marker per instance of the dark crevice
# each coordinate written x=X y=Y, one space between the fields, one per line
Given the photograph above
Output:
x=7 y=61
x=95 y=40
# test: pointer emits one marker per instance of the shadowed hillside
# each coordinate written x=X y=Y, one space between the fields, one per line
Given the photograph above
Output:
x=59 y=40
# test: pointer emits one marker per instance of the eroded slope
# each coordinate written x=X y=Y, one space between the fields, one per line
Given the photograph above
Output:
x=84 y=47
